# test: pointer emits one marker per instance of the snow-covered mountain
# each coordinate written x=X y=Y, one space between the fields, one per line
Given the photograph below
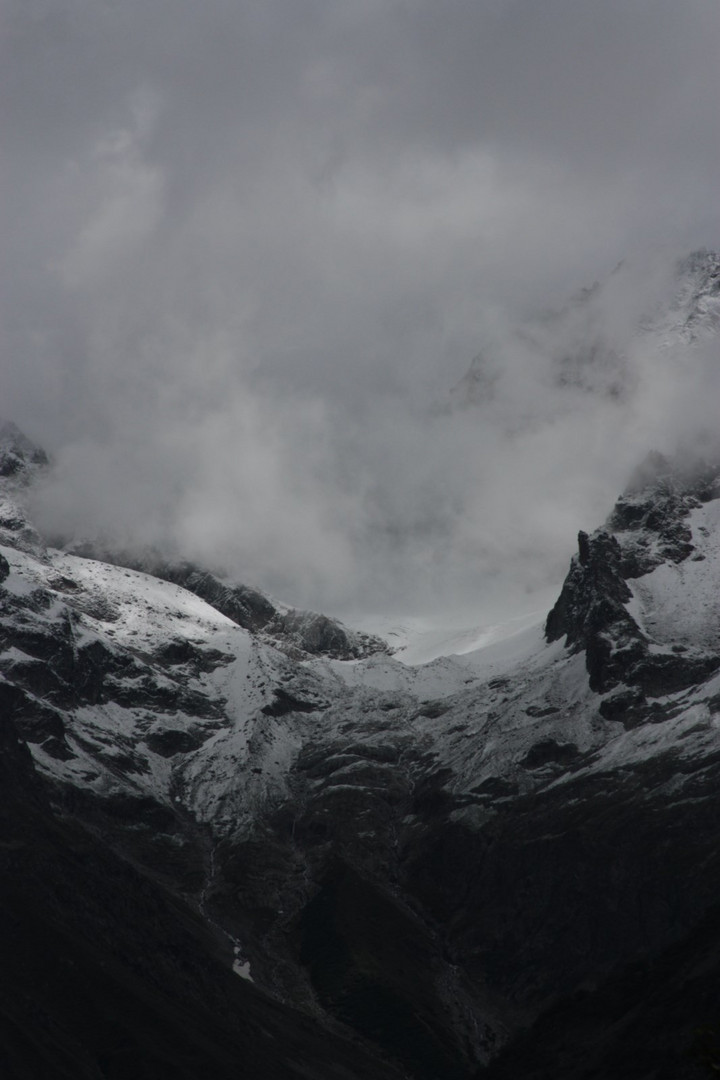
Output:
x=243 y=840
x=597 y=343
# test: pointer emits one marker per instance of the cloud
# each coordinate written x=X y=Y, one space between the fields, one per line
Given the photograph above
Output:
x=250 y=247
x=125 y=196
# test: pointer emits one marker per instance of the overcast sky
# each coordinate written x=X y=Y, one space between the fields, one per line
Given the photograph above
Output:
x=250 y=246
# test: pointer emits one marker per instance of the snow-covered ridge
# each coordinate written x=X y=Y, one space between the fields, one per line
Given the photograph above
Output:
x=597 y=344
x=167 y=650
x=214 y=717
x=457 y=770
x=677 y=601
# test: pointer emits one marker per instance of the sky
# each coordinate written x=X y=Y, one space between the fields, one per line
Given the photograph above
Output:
x=250 y=247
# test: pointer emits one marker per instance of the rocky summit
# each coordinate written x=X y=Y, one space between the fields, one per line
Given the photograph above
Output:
x=244 y=840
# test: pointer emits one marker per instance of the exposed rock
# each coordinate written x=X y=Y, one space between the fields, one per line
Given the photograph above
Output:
x=317 y=635
x=169 y=741
x=245 y=606
x=18 y=454
x=647 y=527
x=284 y=703
x=591 y=612
x=35 y=720
x=549 y=752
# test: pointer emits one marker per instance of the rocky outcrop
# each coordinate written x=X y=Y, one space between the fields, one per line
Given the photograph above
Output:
x=647 y=527
x=301 y=632
x=245 y=606
x=651 y=515
x=18 y=454
x=591 y=612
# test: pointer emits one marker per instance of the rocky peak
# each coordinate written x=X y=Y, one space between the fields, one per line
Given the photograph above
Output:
x=20 y=461
x=698 y=295
x=18 y=454
x=591 y=611
x=649 y=526
x=650 y=518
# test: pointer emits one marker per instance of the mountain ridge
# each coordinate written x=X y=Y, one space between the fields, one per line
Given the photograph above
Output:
x=440 y=871
x=378 y=795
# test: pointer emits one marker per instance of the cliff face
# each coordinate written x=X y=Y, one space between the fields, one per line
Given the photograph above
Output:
x=664 y=519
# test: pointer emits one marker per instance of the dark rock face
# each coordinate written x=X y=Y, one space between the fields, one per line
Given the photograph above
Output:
x=245 y=606
x=36 y=721
x=594 y=595
x=591 y=612
x=549 y=751
x=653 y=511
x=315 y=634
x=284 y=703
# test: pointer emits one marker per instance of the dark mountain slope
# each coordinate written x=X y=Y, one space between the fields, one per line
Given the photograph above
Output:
x=107 y=976
x=655 y=1019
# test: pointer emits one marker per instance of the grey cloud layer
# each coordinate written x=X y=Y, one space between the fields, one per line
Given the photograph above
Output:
x=248 y=244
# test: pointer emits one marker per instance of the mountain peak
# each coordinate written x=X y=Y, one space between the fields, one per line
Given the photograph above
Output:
x=18 y=453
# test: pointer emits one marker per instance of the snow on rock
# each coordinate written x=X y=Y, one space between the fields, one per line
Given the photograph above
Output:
x=677 y=602
x=196 y=712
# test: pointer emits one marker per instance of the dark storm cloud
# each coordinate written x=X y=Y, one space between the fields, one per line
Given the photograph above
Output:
x=249 y=245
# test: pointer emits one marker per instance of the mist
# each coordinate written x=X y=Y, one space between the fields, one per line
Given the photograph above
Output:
x=252 y=250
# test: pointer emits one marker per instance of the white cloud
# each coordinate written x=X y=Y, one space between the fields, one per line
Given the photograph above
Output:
x=233 y=299
x=122 y=196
